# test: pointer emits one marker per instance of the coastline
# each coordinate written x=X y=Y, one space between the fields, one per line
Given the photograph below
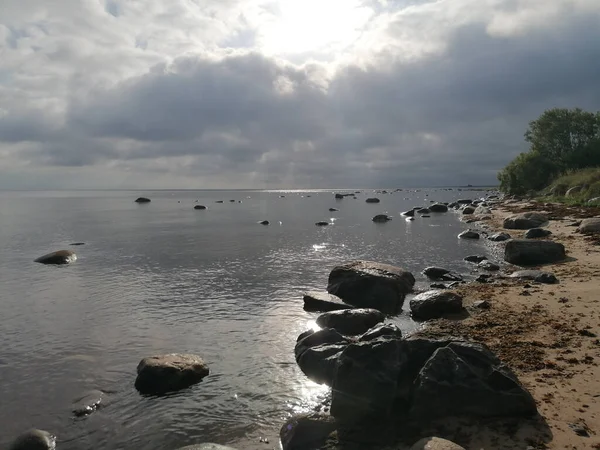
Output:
x=545 y=332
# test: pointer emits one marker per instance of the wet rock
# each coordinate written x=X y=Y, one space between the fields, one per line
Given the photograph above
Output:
x=206 y=446
x=537 y=233
x=381 y=218
x=382 y=329
x=475 y=258
x=425 y=216
x=499 y=237
x=483 y=278
x=142 y=200
x=468 y=210
x=317 y=352
x=77 y=243
x=489 y=266
x=88 y=403
x=166 y=373
x=264 y=222
x=423 y=211
x=439 y=273
x=524 y=221
x=464 y=201
x=199 y=207
x=438 y=286
x=59 y=257
x=438 y=208
x=368 y=284
x=435 y=304
x=435 y=443
x=351 y=321
x=535 y=275
x=219 y=201
x=322 y=224
x=469 y=234
x=525 y=252
x=339 y=196
x=306 y=431
x=590 y=226
x=409 y=213
x=34 y=440
x=333 y=209
x=372 y=200
x=315 y=301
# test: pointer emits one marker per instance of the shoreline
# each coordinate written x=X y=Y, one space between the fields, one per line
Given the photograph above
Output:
x=546 y=333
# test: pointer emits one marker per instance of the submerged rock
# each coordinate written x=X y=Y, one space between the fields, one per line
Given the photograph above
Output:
x=322 y=302
x=166 y=373
x=435 y=304
x=77 y=243
x=306 y=431
x=333 y=209
x=372 y=200
x=264 y=222
x=322 y=223
x=34 y=440
x=142 y=200
x=381 y=218
x=534 y=233
x=409 y=213
x=88 y=403
x=525 y=252
x=58 y=258
x=351 y=321
x=525 y=221
x=367 y=284
x=199 y=207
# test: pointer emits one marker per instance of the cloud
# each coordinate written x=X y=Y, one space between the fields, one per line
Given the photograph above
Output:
x=182 y=94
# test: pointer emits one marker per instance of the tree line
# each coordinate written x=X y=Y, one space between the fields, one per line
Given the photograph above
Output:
x=560 y=140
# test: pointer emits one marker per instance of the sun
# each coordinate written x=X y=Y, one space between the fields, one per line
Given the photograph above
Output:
x=313 y=26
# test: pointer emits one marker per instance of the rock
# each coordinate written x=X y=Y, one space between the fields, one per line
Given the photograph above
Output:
x=333 y=209
x=382 y=329
x=525 y=252
x=573 y=191
x=322 y=302
x=206 y=446
x=372 y=200
x=368 y=284
x=537 y=233
x=499 y=237
x=464 y=201
x=439 y=273
x=34 y=440
x=524 y=221
x=366 y=380
x=77 y=243
x=199 y=207
x=475 y=258
x=88 y=403
x=425 y=216
x=409 y=213
x=410 y=219
x=435 y=304
x=468 y=210
x=306 y=431
x=593 y=201
x=438 y=208
x=339 y=196
x=219 y=201
x=590 y=226
x=438 y=286
x=381 y=218
x=482 y=304
x=423 y=211
x=483 y=278
x=482 y=211
x=466 y=379
x=351 y=321
x=469 y=234
x=435 y=443
x=322 y=224
x=166 y=373
x=264 y=222
x=489 y=266
x=142 y=200
x=535 y=275
x=317 y=352
x=59 y=257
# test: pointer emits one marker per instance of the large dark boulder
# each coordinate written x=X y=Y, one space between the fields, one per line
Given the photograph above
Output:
x=526 y=252
x=60 y=257
x=366 y=380
x=34 y=440
x=166 y=373
x=307 y=431
x=590 y=226
x=459 y=381
x=317 y=352
x=88 y=403
x=524 y=221
x=142 y=200
x=315 y=301
x=535 y=275
x=499 y=237
x=372 y=200
x=200 y=207
x=382 y=329
x=339 y=196
x=438 y=208
x=537 y=233
x=368 y=284
x=351 y=321
x=435 y=304
x=468 y=210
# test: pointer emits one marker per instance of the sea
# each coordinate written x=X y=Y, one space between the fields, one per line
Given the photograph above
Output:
x=163 y=277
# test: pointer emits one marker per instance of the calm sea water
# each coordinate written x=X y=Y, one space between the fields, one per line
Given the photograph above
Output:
x=163 y=277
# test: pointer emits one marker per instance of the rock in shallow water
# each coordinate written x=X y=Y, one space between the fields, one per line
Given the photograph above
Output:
x=34 y=440
x=475 y=258
x=306 y=431
x=381 y=218
x=200 y=207
x=322 y=224
x=372 y=200
x=142 y=200
x=316 y=353
x=438 y=208
x=166 y=373
x=89 y=403
x=367 y=284
x=469 y=234
x=315 y=301
x=58 y=258
x=351 y=321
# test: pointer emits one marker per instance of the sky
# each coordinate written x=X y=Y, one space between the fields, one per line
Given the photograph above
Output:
x=276 y=94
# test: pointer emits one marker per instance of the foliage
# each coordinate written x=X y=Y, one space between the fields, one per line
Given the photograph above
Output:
x=587 y=179
x=560 y=140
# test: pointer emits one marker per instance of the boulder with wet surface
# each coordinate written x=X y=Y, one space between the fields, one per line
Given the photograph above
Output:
x=160 y=374
x=59 y=257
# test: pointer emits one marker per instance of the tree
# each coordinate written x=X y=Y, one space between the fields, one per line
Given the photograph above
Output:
x=527 y=172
